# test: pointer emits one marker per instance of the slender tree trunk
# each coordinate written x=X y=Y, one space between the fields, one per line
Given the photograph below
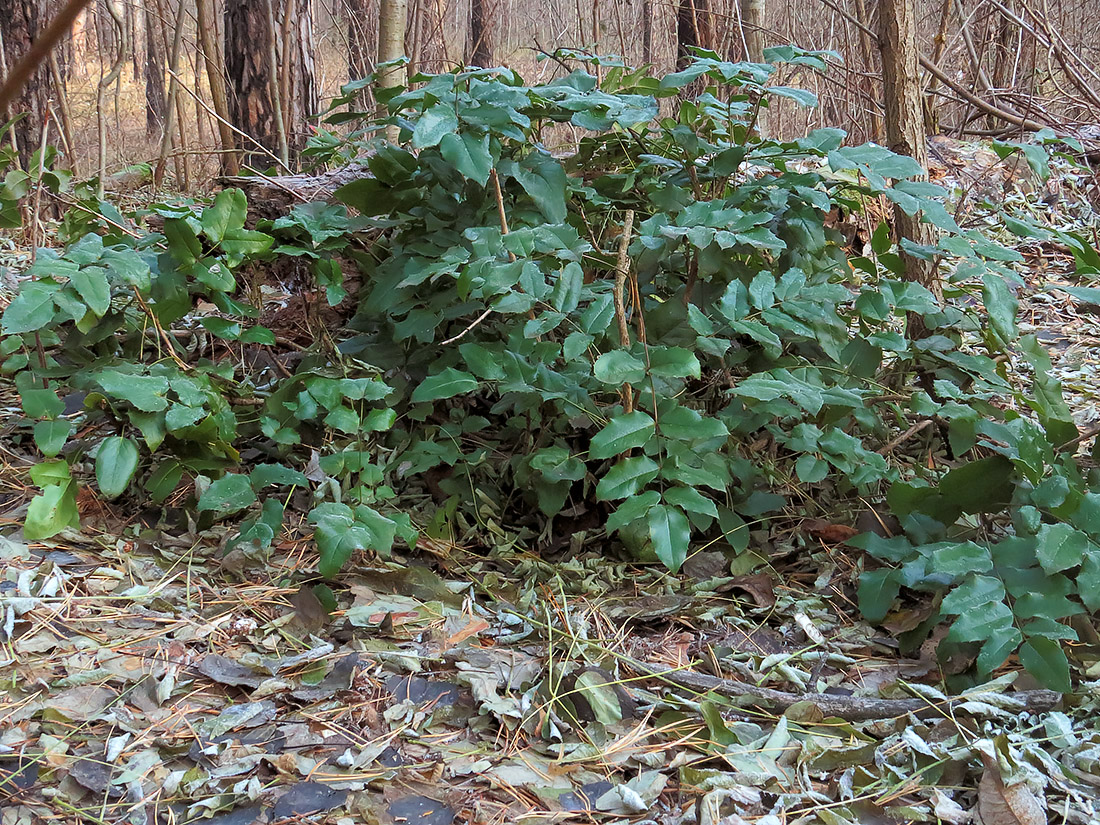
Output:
x=21 y=22
x=693 y=29
x=155 y=102
x=392 y=20
x=300 y=100
x=215 y=74
x=647 y=31
x=905 y=128
x=480 y=44
x=752 y=23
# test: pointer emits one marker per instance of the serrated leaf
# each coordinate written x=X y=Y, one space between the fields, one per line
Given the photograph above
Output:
x=634 y=508
x=626 y=478
x=621 y=433
x=51 y=511
x=619 y=367
x=32 y=309
x=437 y=121
x=228 y=212
x=115 y=465
x=50 y=436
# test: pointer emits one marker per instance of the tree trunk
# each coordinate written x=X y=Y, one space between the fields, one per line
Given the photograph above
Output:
x=480 y=45
x=392 y=19
x=905 y=128
x=693 y=29
x=752 y=24
x=248 y=45
x=20 y=23
x=155 y=102
x=300 y=100
x=215 y=75
x=647 y=31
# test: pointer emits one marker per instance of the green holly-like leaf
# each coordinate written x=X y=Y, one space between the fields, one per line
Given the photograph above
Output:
x=619 y=367
x=626 y=478
x=468 y=154
x=436 y=122
x=445 y=384
x=228 y=495
x=115 y=465
x=1046 y=661
x=227 y=213
x=622 y=433
x=670 y=533
x=1061 y=547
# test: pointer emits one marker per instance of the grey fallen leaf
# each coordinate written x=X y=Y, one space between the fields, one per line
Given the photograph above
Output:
x=273 y=666
x=621 y=800
x=83 y=704
x=94 y=774
x=227 y=672
x=18 y=773
x=948 y=810
x=585 y=798
x=246 y=715
x=306 y=798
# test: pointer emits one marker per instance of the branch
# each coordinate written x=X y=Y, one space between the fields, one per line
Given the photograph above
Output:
x=40 y=49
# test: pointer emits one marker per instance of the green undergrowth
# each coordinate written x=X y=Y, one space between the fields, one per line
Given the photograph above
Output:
x=502 y=382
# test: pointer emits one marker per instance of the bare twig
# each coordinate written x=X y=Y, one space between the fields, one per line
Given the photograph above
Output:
x=851 y=708
x=622 y=270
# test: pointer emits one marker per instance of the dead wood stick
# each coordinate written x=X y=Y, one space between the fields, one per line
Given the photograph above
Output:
x=850 y=708
x=622 y=270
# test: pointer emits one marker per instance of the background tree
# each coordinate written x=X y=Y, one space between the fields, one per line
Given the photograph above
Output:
x=905 y=127
x=155 y=100
x=479 y=44
x=693 y=29
x=20 y=23
x=752 y=24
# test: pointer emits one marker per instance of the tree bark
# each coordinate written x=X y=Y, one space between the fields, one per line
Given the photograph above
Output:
x=647 y=32
x=215 y=75
x=693 y=29
x=155 y=101
x=392 y=19
x=480 y=45
x=21 y=24
x=300 y=101
x=248 y=44
x=905 y=128
x=752 y=24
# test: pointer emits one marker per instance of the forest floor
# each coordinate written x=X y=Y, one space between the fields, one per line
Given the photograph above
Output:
x=150 y=678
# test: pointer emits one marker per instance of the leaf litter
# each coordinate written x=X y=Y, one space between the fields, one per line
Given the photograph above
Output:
x=151 y=679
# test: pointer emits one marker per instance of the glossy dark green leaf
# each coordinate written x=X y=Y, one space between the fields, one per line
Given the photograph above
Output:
x=620 y=434
x=670 y=533
x=445 y=384
x=115 y=465
x=228 y=495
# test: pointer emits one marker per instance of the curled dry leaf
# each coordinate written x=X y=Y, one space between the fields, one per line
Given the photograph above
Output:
x=1001 y=804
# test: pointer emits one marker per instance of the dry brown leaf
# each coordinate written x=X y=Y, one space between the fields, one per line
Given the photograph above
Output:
x=829 y=533
x=1001 y=804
